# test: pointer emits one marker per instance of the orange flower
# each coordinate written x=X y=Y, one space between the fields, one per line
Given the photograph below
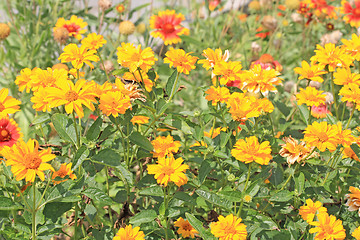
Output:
x=134 y=57
x=167 y=26
x=93 y=41
x=308 y=211
x=243 y=107
x=344 y=76
x=9 y=132
x=8 y=104
x=41 y=100
x=213 y=133
x=219 y=94
x=349 y=153
x=228 y=228
x=114 y=103
x=165 y=146
x=353 y=199
x=74 y=26
x=351 y=93
x=120 y=8
x=139 y=120
x=344 y=136
x=310 y=72
x=213 y=57
x=229 y=72
x=328 y=227
x=322 y=136
x=168 y=170
x=143 y=78
x=129 y=233
x=27 y=161
x=78 y=56
x=24 y=79
x=47 y=78
x=267 y=61
x=293 y=151
x=352 y=13
x=352 y=47
x=182 y=61
x=250 y=150
x=310 y=96
x=65 y=170
x=185 y=228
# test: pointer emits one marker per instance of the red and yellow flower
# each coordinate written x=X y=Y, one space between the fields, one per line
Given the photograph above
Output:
x=75 y=26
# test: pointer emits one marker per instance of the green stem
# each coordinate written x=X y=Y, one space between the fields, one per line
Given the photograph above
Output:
x=108 y=193
x=165 y=215
x=33 y=230
x=102 y=63
x=42 y=196
x=333 y=92
x=351 y=115
x=173 y=90
x=77 y=132
x=244 y=191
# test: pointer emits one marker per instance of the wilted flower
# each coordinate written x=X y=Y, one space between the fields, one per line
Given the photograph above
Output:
x=353 y=199
x=293 y=151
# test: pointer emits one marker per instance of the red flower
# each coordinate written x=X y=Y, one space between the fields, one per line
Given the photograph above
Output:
x=9 y=132
x=261 y=33
x=353 y=14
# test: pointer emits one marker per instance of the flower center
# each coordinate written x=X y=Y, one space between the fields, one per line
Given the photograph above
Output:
x=169 y=28
x=187 y=227
x=4 y=135
x=71 y=27
x=168 y=170
x=32 y=161
x=323 y=137
x=71 y=96
x=62 y=173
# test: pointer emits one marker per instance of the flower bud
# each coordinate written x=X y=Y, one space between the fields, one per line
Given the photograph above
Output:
x=290 y=86
x=255 y=47
x=109 y=66
x=296 y=17
x=269 y=22
x=126 y=27
x=4 y=31
x=104 y=4
x=141 y=28
x=315 y=84
x=254 y=5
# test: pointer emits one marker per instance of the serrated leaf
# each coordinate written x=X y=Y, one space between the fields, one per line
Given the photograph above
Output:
x=144 y=216
x=119 y=72
x=81 y=154
x=282 y=196
x=8 y=204
x=233 y=196
x=304 y=112
x=214 y=199
x=98 y=195
x=204 y=170
x=41 y=118
x=170 y=85
x=125 y=173
x=141 y=141
x=198 y=225
x=64 y=126
x=108 y=157
x=94 y=130
x=152 y=191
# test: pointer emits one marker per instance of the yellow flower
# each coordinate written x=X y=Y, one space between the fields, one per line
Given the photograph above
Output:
x=24 y=79
x=41 y=100
x=139 y=120
x=47 y=78
x=308 y=211
x=65 y=170
x=215 y=132
x=310 y=96
x=349 y=153
x=247 y=198
x=322 y=136
x=352 y=46
x=331 y=56
x=114 y=103
x=328 y=227
x=78 y=56
x=27 y=161
x=185 y=228
x=344 y=136
x=353 y=199
x=219 y=94
x=133 y=57
x=168 y=170
x=344 y=76
x=213 y=57
x=182 y=61
x=351 y=93
x=310 y=72
x=260 y=80
x=250 y=150
x=165 y=146
x=73 y=26
x=73 y=96
x=356 y=233
x=129 y=233
x=230 y=72
x=229 y=227
x=293 y=151
x=8 y=104
x=143 y=78
x=93 y=41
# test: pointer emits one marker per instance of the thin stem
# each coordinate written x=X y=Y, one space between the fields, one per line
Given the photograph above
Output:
x=33 y=230
x=77 y=132
x=244 y=190
x=173 y=90
x=351 y=115
x=39 y=205
x=165 y=215
x=333 y=92
x=108 y=193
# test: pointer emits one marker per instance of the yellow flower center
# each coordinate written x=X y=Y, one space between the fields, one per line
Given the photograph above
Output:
x=32 y=161
x=4 y=135
x=71 y=96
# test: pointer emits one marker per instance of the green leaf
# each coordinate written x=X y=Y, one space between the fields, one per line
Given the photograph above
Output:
x=355 y=147
x=136 y=9
x=214 y=199
x=145 y=216
x=81 y=154
x=141 y=141
x=300 y=183
x=161 y=106
x=233 y=196
x=220 y=154
x=64 y=127
x=41 y=118
x=108 y=157
x=152 y=191
x=304 y=112
x=125 y=173
x=198 y=225
x=283 y=108
x=98 y=195
x=119 y=72
x=224 y=138
x=282 y=196
x=184 y=197
x=8 y=204
x=94 y=130
x=170 y=85
x=55 y=210
x=204 y=170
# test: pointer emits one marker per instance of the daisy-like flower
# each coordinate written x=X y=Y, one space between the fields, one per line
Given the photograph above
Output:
x=74 y=26
x=308 y=211
x=133 y=57
x=167 y=26
x=73 y=96
x=312 y=72
x=250 y=150
x=165 y=146
x=213 y=133
x=321 y=135
x=9 y=132
x=344 y=76
x=310 y=96
x=243 y=107
x=141 y=78
x=331 y=56
x=129 y=233
x=322 y=8
x=356 y=233
x=344 y=136
x=139 y=120
x=185 y=228
x=353 y=199
x=327 y=227
x=65 y=170
x=213 y=57
x=167 y=169
x=78 y=56
x=47 y=78
x=351 y=93
x=219 y=94
x=229 y=227
x=229 y=71
x=114 y=103
x=260 y=80
x=24 y=79
x=27 y=161
x=93 y=41
x=351 y=12
x=41 y=100
x=294 y=151
x=352 y=46
x=182 y=61
x=8 y=104
x=320 y=111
